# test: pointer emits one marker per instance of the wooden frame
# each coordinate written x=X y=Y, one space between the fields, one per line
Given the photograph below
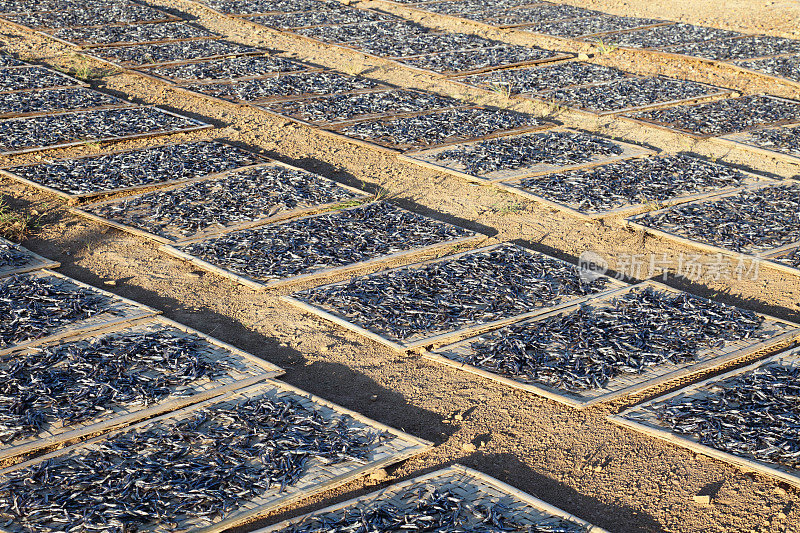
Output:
x=128 y=65
x=90 y=45
x=397 y=447
x=738 y=66
x=143 y=70
x=119 y=311
x=467 y=483
x=514 y=187
x=4 y=16
x=580 y=38
x=322 y=273
x=740 y=140
x=709 y=248
x=36 y=262
x=212 y=231
x=439 y=339
x=636 y=419
x=786 y=333
x=771 y=259
x=39 y=148
x=73 y=82
x=426 y=158
x=74 y=198
x=244 y=370
x=29 y=114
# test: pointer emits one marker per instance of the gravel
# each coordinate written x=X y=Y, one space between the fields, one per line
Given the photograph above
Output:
x=148 y=54
x=19 y=79
x=132 y=33
x=227 y=68
x=532 y=80
x=138 y=168
x=304 y=19
x=91 y=15
x=464 y=61
x=668 y=35
x=721 y=117
x=588 y=26
x=780 y=67
x=752 y=46
x=50 y=100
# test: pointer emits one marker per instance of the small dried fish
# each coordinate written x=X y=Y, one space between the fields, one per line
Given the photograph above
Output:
x=91 y=14
x=752 y=221
x=782 y=67
x=532 y=80
x=307 y=245
x=366 y=32
x=429 y=42
x=791 y=258
x=538 y=13
x=49 y=100
x=472 y=9
x=662 y=36
x=228 y=68
x=783 y=140
x=587 y=26
x=483 y=58
x=33 y=77
x=254 y=7
x=590 y=347
x=303 y=19
x=13 y=256
x=10 y=61
x=146 y=54
x=739 y=48
x=132 y=33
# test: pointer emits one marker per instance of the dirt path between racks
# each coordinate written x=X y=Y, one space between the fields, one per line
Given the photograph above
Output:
x=611 y=477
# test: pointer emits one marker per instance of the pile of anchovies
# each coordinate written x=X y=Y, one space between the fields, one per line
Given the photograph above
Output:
x=243 y=196
x=756 y=414
x=10 y=61
x=31 y=307
x=44 y=100
x=22 y=6
x=471 y=8
x=341 y=107
x=724 y=116
x=782 y=140
x=662 y=36
x=226 y=68
x=423 y=43
x=587 y=348
x=90 y=15
x=424 y=131
x=79 y=381
x=132 y=33
x=330 y=240
x=791 y=258
x=575 y=28
x=748 y=222
x=23 y=78
x=446 y=295
x=250 y=7
x=302 y=19
x=11 y=256
x=748 y=47
x=204 y=467
x=630 y=93
x=782 y=67
x=559 y=148
x=146 y=54
x=50 y=130
x=531 y=80
x=524 y=15
x=137 y=168
x=363 y=33
x=468 y=60
x=293 y=84
x=428 y=509
x=635 y=181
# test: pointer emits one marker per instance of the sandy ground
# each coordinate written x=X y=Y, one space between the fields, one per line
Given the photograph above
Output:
x=578 y=461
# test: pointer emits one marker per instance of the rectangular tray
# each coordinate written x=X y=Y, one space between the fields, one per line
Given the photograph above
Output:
x=318 y=478
x=34 y=261
x=639 y=420
x=557 y=56
x=771 y=259
x=68 y=81
x=244 y=370
x=740 y=140
x=123 y=310
x=96 y=54
x=785 y=334
x=474 y=486
x=441 y=338
x=426 y=158
x=93 y=45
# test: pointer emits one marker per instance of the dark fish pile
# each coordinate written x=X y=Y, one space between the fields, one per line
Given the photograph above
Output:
x=48 y=100
x=587 y=26
x=749 y=47
x=23 y=6
x=366 y=32
x=791 y=258
x=539 y=13
x=482 y=58
x=18 y=79
x=451 y=294
x=782 y=140
x=149 y=166
x=203 y=468
x=471 y=9
x=720 y=117
x=303 y=19
x=630 y=93
x=330 y=240
x=238 y=197
x=255 y=7
x=10 y=61
x=587 y=348
x=631 y=182
x=756 y=415
x=132 y=33
x=662 y=36
x=146 y=54
x=532 y=80
x=748 y=222
x=79 y=381
x=89 y=14
x=12 y=256
x=560 y=148
x=424 y=43
x=87 y=126
x=227 y=68
x=31 y=308
x=781 y=67
x=425 y=131
x=428 y=509
x=288 y=85
x=342 y=107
